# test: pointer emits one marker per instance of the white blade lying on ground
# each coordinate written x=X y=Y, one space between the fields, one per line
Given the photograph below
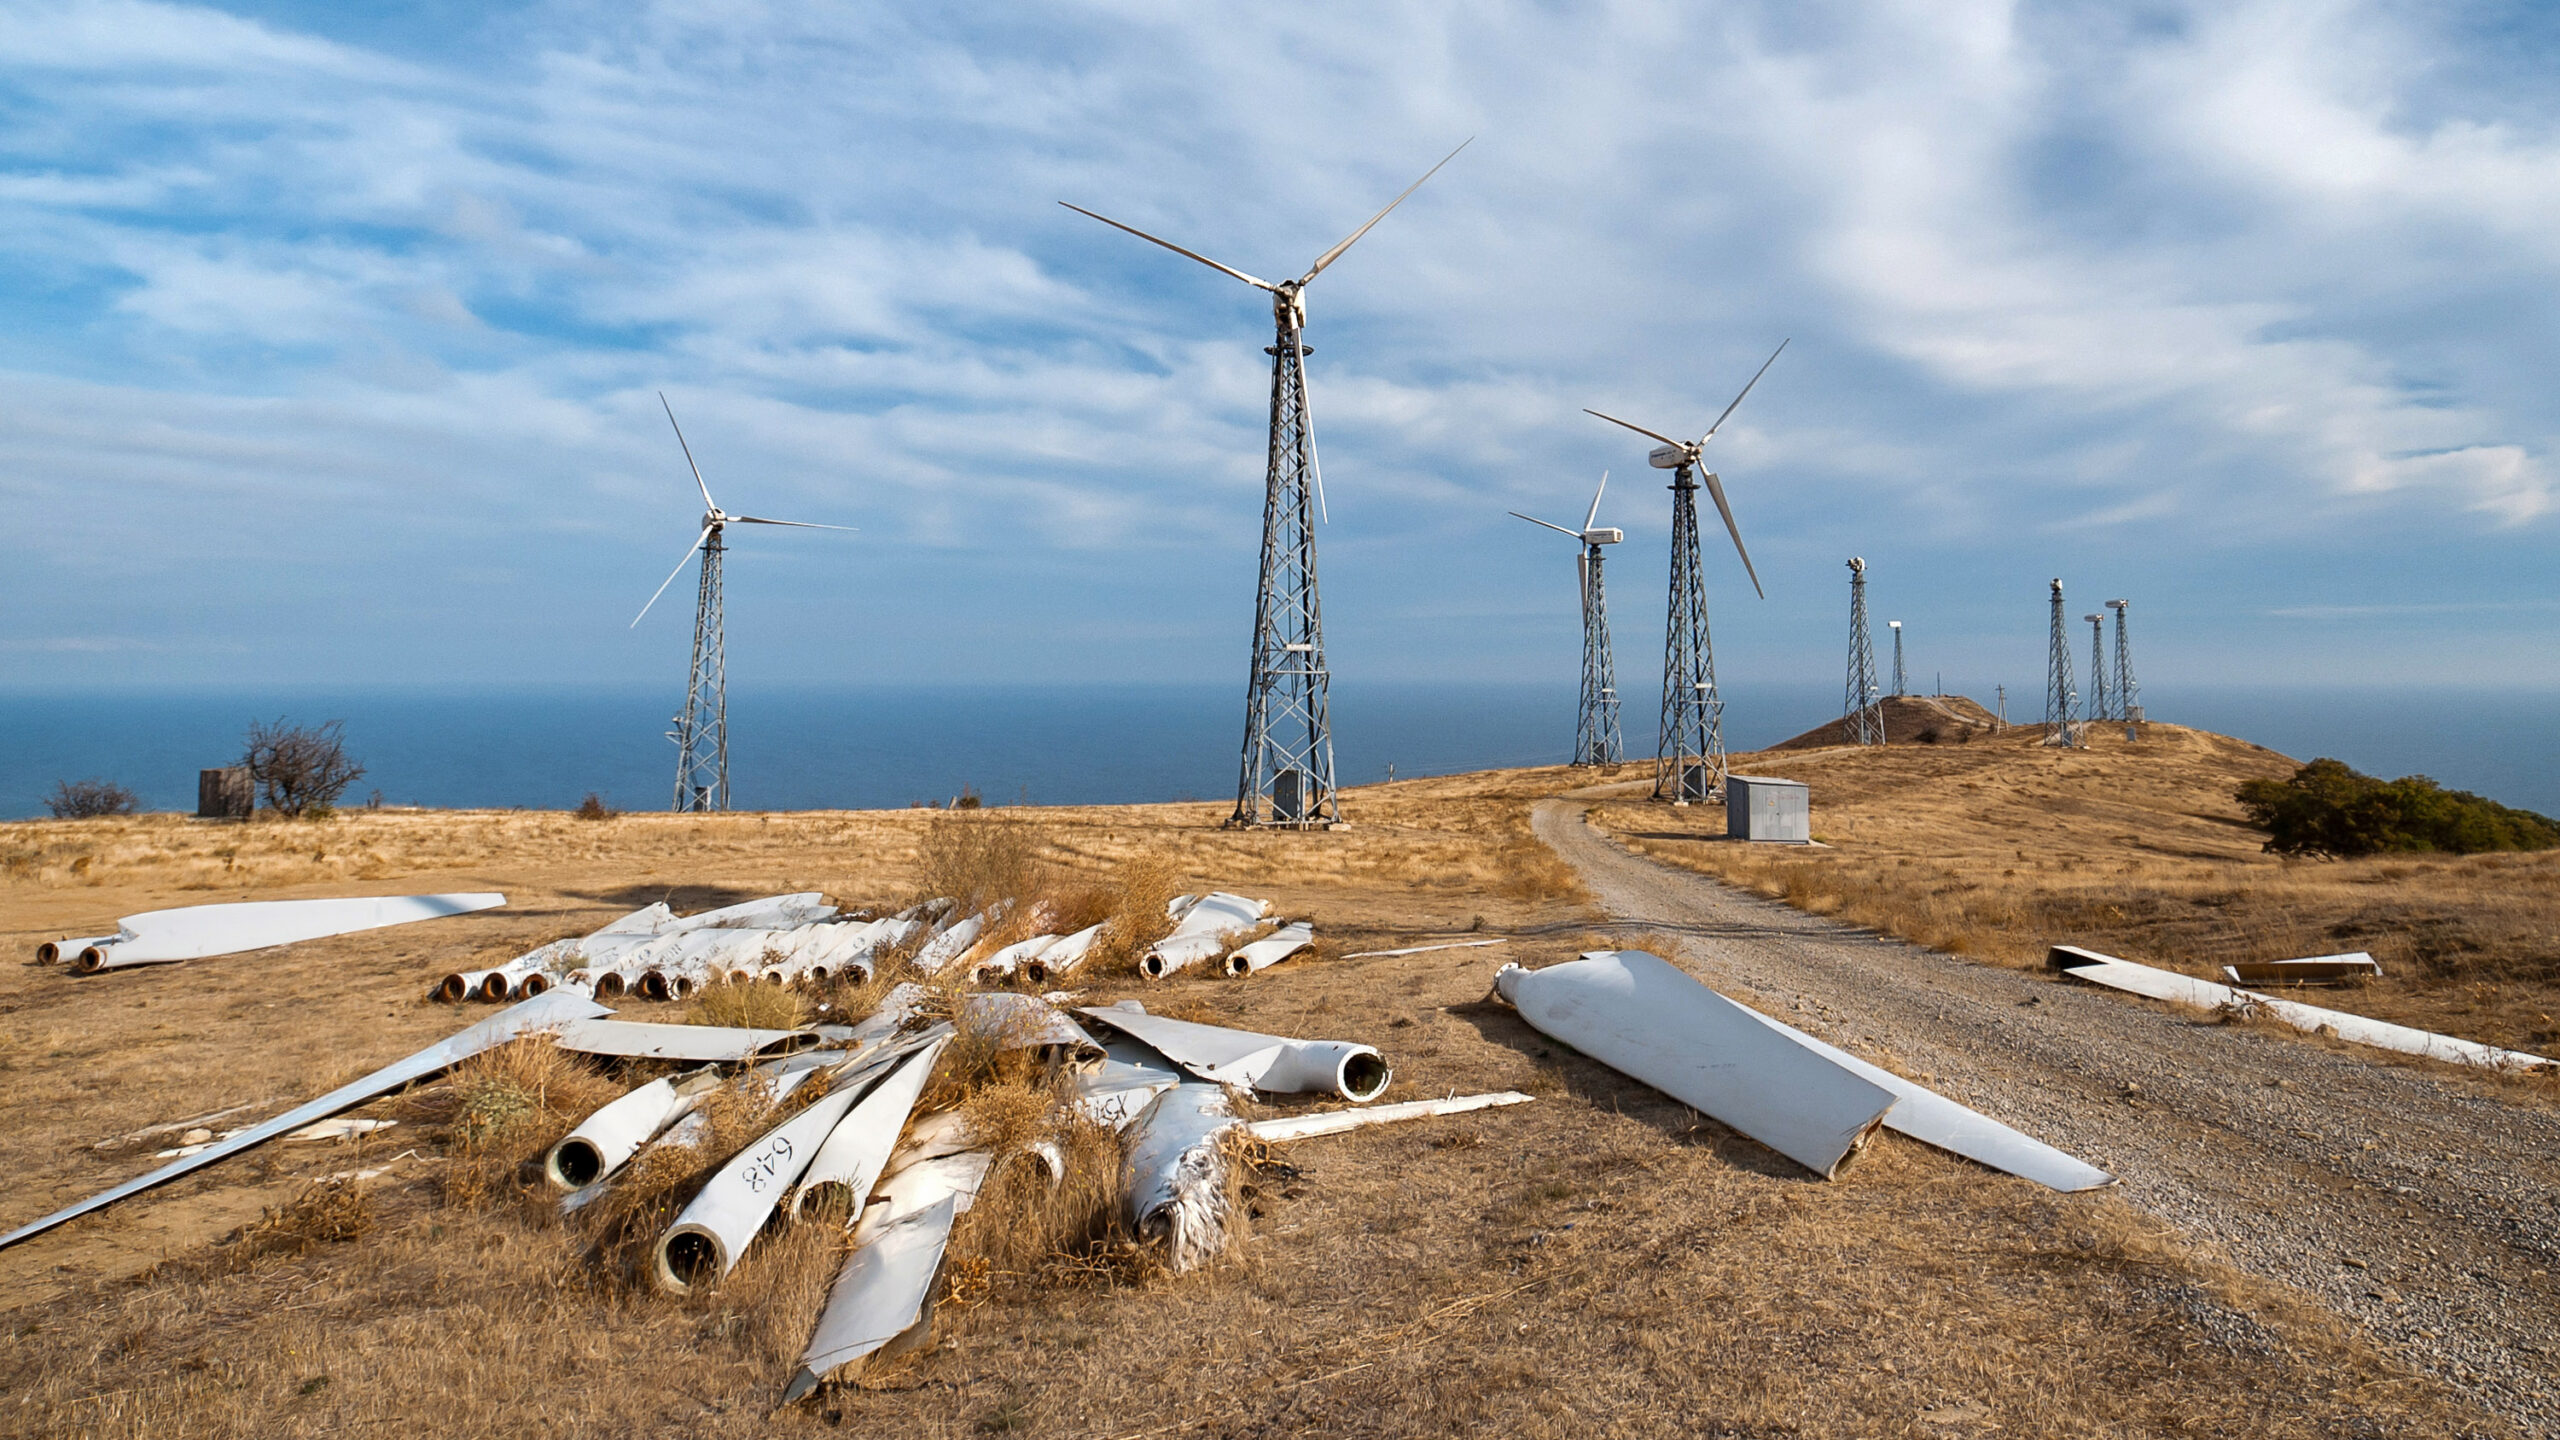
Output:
x=2168 y=985
x=883 y=1293
x=1261 y=1062
x=699 y=1043
x=1427 y=949
x=1064 y=956
x=1933 y=1119
x=616 y=1131
x=552 y=1008
x=857 y=1151
x=194 y=932
x=1271 y=949
x=2310 y=970
x=1336 y=1122
x=1175 y=1174
x=1647 y=1018
x=1199 y=932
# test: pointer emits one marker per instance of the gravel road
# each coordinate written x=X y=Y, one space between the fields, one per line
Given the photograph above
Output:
x=2416 y=1203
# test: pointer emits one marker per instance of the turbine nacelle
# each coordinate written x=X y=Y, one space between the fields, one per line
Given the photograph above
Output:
x=1608 y=535
x=1672 y=457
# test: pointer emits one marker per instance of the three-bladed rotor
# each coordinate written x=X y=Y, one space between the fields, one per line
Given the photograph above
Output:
x=714 y=519
x=1683 y=456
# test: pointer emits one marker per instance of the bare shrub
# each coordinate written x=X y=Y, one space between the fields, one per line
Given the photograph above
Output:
x=1135 y=898
x=503 y=1107
x=324 y=1212
x=594 y=808
x=90 y=799
x=750 y=1005
x=979 y=858
x=300 y=770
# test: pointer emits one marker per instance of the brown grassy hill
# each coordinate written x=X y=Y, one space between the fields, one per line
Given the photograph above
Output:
x=1908 y=720
x=2002 y=847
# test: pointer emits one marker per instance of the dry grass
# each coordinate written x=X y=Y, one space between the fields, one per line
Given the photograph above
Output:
x=748 y=1004
x=2002 y=848
x=1600 y=1259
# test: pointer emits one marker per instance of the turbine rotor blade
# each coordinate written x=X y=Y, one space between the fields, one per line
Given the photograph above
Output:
x=1737 y=400
x=1335 y=253
x=801 y=524
x=1534 y=520
x=1594 y=517
x=707 y=502
x=671 y=578
x=1648 y=434
x=1715 y=488
x=1176 y=249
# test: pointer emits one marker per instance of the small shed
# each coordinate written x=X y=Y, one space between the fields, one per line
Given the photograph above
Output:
x=1760 y=808
x=225 y=794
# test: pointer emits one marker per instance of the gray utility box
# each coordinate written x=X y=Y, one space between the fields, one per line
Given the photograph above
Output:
x=225 y=794
x=1756 y=808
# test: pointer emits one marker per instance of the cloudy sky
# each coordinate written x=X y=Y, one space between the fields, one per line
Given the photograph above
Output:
x=331 y=335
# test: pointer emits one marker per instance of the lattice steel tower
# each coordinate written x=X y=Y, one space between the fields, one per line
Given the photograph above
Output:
x=2128 y=694
x=1596 y=740
x=1286 y=776
x=702 y=727
x=1901 y=686
x=1858 y=704
x=1688 y=752
x=2060 y=695
x=2099 y=706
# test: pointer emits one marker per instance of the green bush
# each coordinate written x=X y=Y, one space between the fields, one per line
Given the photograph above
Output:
x=2329 y=808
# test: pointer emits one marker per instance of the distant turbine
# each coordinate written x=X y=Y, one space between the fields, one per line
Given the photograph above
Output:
x=1285 y=778
x=2099 y=709
x=702 y=730
x=1596 y=740
x=2060 y=694
x=1901 y=686
x=2128 y=694
x=1858 y=702
x=1688 y=753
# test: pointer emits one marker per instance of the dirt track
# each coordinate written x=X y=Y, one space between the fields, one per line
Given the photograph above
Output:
x=2413 y=1200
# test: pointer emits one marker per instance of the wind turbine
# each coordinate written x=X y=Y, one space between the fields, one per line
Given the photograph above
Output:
x=1688 y=756
x=1596 y=740
x=1285 y=777
x=702 y=730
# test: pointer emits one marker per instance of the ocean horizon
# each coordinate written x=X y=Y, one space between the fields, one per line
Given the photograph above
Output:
x=877 y=747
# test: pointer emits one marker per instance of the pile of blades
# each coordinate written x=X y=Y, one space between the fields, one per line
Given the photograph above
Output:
x=802 y=939
x=860 y=1131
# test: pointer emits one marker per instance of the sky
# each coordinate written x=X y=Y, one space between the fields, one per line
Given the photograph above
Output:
x=331 y=336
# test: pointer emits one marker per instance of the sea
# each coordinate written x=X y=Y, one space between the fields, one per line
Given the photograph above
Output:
x=888 y=747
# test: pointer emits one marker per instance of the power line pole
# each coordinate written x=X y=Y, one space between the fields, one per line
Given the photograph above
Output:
x=2061 y=695
x=1858 y=704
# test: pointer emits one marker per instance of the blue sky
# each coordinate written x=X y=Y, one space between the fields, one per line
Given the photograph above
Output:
x=329 y=340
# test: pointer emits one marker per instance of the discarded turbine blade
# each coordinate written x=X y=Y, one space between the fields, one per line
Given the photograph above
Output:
x=553 y=1008
x=1353 y=238
x=1715 y=489
x=1260 y=1062
x=1336 y=1122
x=884 y=1292
x=1933 y=1119
x=1271 y=949
x=1117 y=1092
x=603 y=1141
x=698 y=1043
x=1427 y=949
x=712 y=1233
x=1647 y=1018
x=1175 y=1174
x=687 y=559
x=1199 y=934
x=1063 y=956
x=1027 y=1022
x=1648 y=434
x=2157 y=984
x=857 y=1150
x=1746 y=389
x=63 y=952
x=1176 y=249
x=194 y=932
